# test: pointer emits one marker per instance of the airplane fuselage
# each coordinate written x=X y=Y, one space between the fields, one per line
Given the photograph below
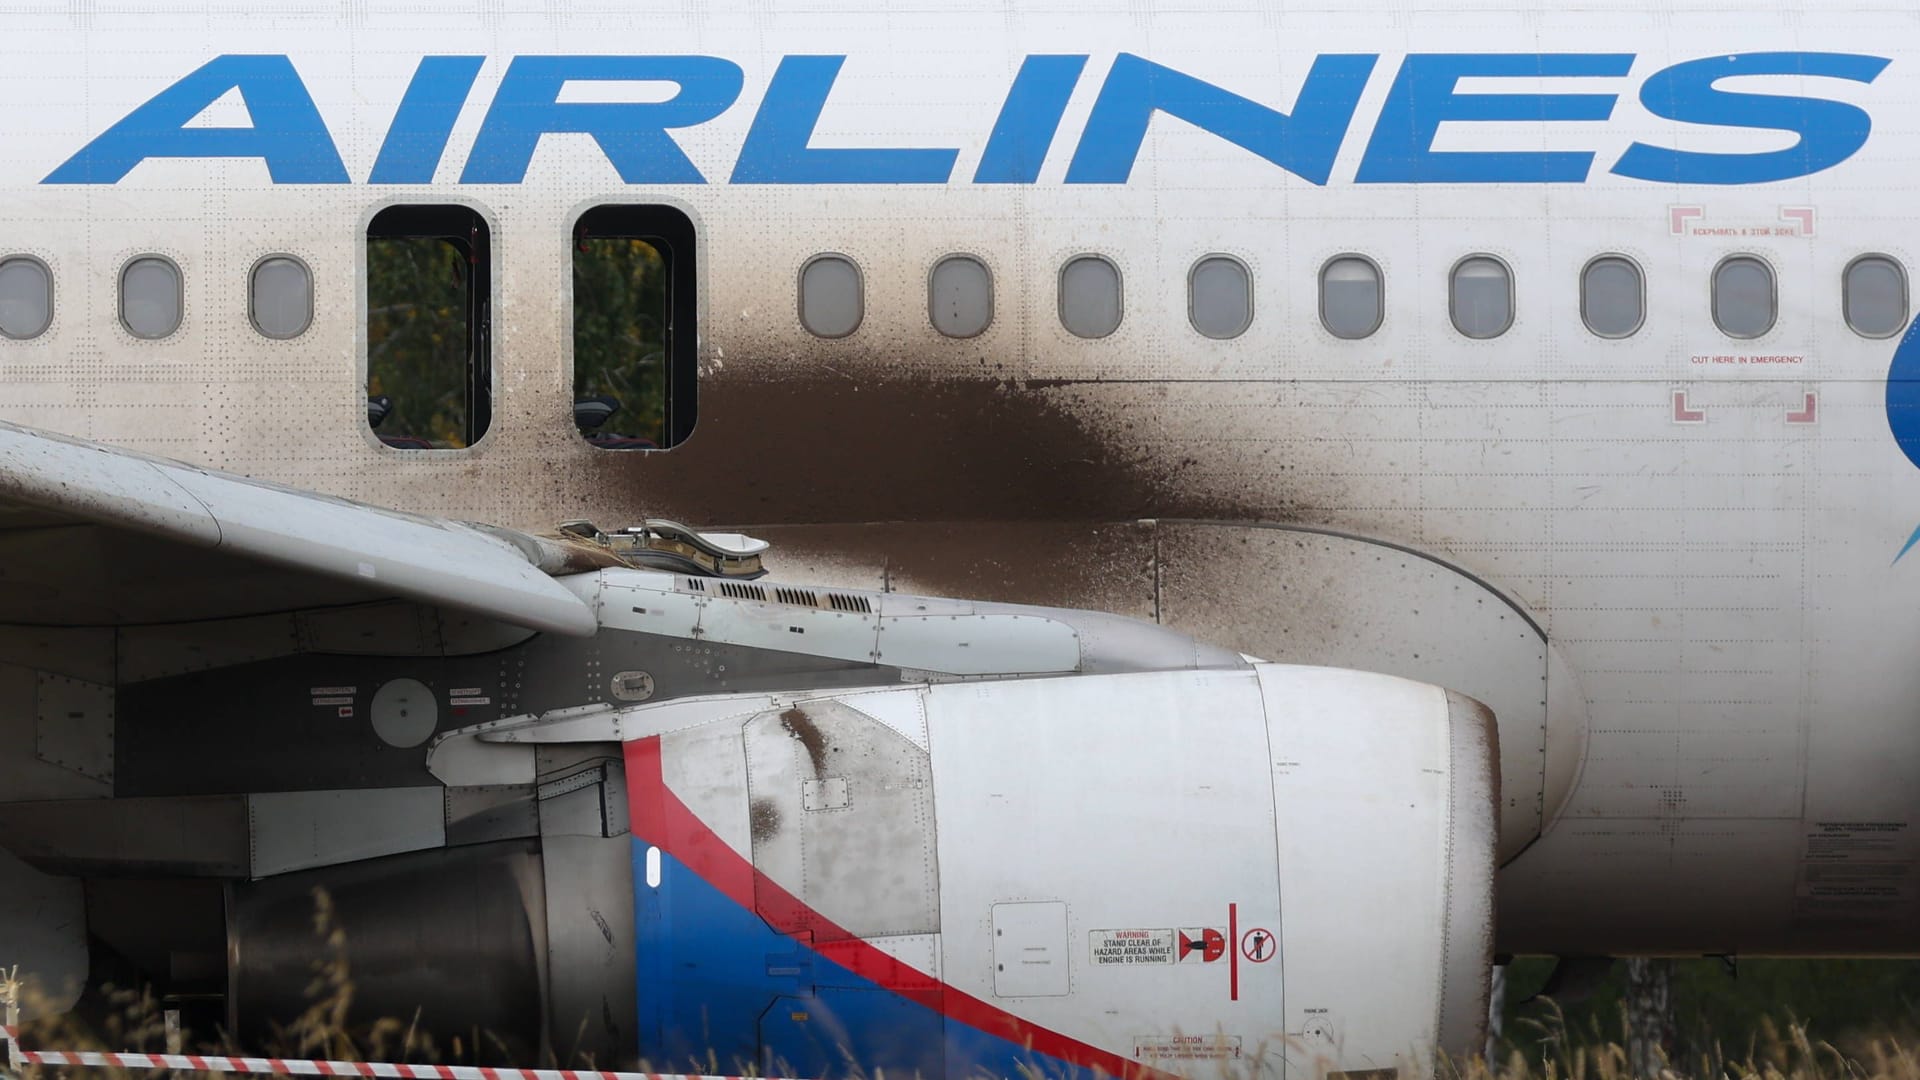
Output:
x=1692 y=505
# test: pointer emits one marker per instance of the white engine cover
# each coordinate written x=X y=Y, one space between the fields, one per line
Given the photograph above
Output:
x=1276 y=869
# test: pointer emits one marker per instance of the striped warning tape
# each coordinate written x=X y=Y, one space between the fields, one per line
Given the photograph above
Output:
x=300 y=1067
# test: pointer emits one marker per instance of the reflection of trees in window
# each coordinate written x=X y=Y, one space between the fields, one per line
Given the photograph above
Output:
x=620 y=337
x=427 y=379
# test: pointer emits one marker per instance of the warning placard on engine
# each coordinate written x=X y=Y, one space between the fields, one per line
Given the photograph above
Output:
x=1157 y=1048
x=1132 y=946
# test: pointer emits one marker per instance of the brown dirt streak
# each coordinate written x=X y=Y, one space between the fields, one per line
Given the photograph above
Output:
x=802 y=728
x=763 y=819
x=1104 y=565
x=814 y=447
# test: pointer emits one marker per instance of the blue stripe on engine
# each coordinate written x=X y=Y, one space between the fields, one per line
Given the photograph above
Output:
x=723 y=992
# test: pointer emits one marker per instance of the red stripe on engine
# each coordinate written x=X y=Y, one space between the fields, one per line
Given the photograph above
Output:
x=1233 y=952
x=659 y=817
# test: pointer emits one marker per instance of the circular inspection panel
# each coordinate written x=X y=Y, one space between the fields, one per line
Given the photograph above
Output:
x=404 y=712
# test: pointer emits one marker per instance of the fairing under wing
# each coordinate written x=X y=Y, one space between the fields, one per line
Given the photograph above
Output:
x=96 y=536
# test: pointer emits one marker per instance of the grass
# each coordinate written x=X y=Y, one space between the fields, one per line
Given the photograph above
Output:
x=1549 y=1047
x=1559 y=1051
x=1543 y=1041
x=1755 y=1018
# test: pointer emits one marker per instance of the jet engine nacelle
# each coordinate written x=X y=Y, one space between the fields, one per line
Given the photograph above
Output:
x=1260 y=869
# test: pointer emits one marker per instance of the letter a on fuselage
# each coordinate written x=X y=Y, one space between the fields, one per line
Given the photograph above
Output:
x=287 y=132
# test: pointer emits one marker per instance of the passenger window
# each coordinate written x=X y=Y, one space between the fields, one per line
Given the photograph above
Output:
x=635 y=349
x=1220 y=297
x=1090 y=297
x=429 y=374
x=1480 y=297
x=832 y=302
x=1743 y=296
x=150 y=299
x=26 y=298
x=1874 y=295
x=960 y=296
x=1351 y=297
x=1613 y=297
x=280 y=301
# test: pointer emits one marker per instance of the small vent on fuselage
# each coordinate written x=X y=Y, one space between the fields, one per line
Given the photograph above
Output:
x=801 y=597
x=741 y=592
x=695 y=584
x=843 y=602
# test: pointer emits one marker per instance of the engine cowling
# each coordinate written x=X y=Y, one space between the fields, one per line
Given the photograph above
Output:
x=1264 y=868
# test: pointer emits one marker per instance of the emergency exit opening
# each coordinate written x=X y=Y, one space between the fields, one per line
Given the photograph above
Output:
x=634 y=361
x=428 y=299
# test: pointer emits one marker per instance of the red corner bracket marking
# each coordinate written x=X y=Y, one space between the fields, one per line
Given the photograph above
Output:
x=1684 y=415
x=1806 y=414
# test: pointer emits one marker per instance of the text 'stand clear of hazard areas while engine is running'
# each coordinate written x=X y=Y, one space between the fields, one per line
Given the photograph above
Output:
x=1131 y=947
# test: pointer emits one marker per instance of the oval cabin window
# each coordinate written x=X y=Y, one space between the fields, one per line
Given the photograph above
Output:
x=26 y=298
x=1480 y=297
x=1090 y=297
x=150 y=299
x=1351 y=297
x=1743 y=297
x=831 y=299
x=1613 y=298
x=280 y=301
x=1220 y=297
x=1874 y=296
x=960 y=296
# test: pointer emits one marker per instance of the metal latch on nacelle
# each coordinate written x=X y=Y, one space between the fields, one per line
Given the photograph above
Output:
x=659 y=544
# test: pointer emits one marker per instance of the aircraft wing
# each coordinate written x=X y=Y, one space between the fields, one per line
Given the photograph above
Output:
x=95 y=536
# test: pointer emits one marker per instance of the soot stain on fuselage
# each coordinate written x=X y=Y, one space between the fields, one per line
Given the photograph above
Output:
x=814 y=446
x=1109 y=566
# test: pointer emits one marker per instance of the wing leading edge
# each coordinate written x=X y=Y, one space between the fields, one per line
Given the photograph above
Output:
x=93 y=535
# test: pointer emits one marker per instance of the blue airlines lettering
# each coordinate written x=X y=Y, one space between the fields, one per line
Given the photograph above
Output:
x=289 y=135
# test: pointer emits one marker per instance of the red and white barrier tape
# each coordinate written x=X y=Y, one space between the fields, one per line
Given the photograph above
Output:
x=298 y=1067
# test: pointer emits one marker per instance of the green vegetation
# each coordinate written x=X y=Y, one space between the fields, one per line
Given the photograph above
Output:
x=620 y=332
x=418 y=337
x=420 y=325
x=1778 y=1020
x=1785 y=1052
x=1757 y=1011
